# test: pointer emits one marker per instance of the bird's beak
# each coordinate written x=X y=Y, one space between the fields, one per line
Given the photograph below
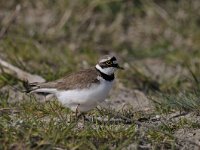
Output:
x=119 y=67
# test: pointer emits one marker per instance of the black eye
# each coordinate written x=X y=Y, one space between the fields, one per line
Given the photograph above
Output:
x=109 y=62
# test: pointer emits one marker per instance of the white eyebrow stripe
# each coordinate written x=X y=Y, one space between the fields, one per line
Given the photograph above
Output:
x=104 y=60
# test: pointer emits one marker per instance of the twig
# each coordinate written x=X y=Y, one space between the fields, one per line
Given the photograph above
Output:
x=18 y=73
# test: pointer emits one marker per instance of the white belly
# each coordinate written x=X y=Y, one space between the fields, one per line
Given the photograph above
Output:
x=85 y=98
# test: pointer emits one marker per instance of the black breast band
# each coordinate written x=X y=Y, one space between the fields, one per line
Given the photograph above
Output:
x=106 y=77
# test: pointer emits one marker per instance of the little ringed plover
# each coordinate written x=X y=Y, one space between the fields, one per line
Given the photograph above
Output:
x=83 y=90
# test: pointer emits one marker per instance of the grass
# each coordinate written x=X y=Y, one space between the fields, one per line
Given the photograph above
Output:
x=157 y=43
x=31 y=124
x=37 y=125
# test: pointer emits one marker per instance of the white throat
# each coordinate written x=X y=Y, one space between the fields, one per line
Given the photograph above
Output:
x=108 y=71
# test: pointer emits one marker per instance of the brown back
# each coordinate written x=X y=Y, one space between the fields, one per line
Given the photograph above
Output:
x=81 y=79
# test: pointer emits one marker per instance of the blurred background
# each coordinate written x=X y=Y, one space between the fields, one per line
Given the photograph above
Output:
x=156 y=41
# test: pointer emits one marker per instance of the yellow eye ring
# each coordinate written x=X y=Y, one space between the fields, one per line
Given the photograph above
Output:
x=108 y=62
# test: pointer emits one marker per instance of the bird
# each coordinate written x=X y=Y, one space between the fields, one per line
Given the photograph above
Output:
x=83 y=90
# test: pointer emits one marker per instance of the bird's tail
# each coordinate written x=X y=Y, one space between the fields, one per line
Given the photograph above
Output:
x=38 y=88
x=30 y=87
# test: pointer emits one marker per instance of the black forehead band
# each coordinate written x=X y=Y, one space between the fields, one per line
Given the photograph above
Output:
x=113 y=59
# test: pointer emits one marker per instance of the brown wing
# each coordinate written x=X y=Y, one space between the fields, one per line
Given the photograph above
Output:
x=78 y=80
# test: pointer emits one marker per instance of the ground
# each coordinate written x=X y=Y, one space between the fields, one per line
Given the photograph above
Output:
x=154 y=103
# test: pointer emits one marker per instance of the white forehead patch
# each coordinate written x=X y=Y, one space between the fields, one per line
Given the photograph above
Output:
x=104 y=60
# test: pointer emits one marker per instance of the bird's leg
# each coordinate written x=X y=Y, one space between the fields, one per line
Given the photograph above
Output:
x=81 y=123
x=82 y=117
x=77 y=111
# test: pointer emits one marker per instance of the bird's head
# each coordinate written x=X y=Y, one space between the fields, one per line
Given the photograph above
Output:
x=108 y=65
